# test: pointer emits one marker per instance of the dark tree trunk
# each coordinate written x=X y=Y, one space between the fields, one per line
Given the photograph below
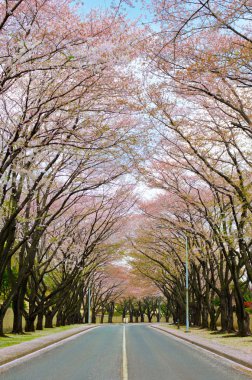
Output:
x=18 y=307
x=230 y=314
x=204 y=318
x=243 y=319
x=242 y=315
x=40 y=321
x=77 y=318
x=30 y=324
x=17 y=315
x=213 y=319
x=86 y=314
x=59 y=319
x=174 y=318
x=49 y=320
x=1 y=324
x=63 y=319
x=93 y=319
x=111 y=310
x=196 y=314
x=226 y=313
x=124 y=313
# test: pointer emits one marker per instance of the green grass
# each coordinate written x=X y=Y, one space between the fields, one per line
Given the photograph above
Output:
x=12 y=339
x=228 y=340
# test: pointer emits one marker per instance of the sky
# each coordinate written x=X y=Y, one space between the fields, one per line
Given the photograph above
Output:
x=133 y=12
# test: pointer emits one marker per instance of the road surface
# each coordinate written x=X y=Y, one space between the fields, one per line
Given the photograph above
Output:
x=131 y=352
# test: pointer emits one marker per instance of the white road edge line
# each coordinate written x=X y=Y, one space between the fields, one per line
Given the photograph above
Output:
x=124 y=357
x=234 y=364
x=22 y=359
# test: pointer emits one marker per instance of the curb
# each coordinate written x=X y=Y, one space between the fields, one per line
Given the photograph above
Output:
x=213 y=350
x=42 y=346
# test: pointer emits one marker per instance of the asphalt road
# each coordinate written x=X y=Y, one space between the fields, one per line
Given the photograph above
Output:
x=149 y=355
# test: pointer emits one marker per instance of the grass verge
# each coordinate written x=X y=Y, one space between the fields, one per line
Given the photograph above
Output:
x=12 y=339
x=229 y=340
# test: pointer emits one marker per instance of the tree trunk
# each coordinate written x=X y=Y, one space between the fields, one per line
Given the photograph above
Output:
x=49 y=320
x=17 y=315
x=86 y=314
x=30 y=324
x=213 y=319
x=123 y=314
x=102 y=318
x=174 y=318
x=242 y=315
x=204 y=318
x=230 y=315
x=63 y=319
x=243 y=319
x=1 y=323
x=93 y=319
x=196 y=313
x=59 y=319
x=40 y=321
x=224 y=312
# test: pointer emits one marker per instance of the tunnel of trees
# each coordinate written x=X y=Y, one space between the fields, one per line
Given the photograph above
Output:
x=98 y=110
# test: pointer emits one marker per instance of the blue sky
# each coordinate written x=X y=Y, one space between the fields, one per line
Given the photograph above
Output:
x=132 y=12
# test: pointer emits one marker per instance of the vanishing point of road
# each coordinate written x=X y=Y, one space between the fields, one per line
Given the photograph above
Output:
x=125 y=352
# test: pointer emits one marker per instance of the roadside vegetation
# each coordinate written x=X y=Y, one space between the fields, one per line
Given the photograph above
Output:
x=92 y=107
x=12 y=339
x=227 y=339
x=66 y=136
x=199 y=103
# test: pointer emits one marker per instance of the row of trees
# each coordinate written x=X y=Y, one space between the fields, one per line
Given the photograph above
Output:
x=70 y=130
x=66 y=138
x=198 y=101
x=138 y=309
x=107 y=300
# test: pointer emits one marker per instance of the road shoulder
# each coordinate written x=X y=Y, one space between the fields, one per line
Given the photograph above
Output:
x=233 y=354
